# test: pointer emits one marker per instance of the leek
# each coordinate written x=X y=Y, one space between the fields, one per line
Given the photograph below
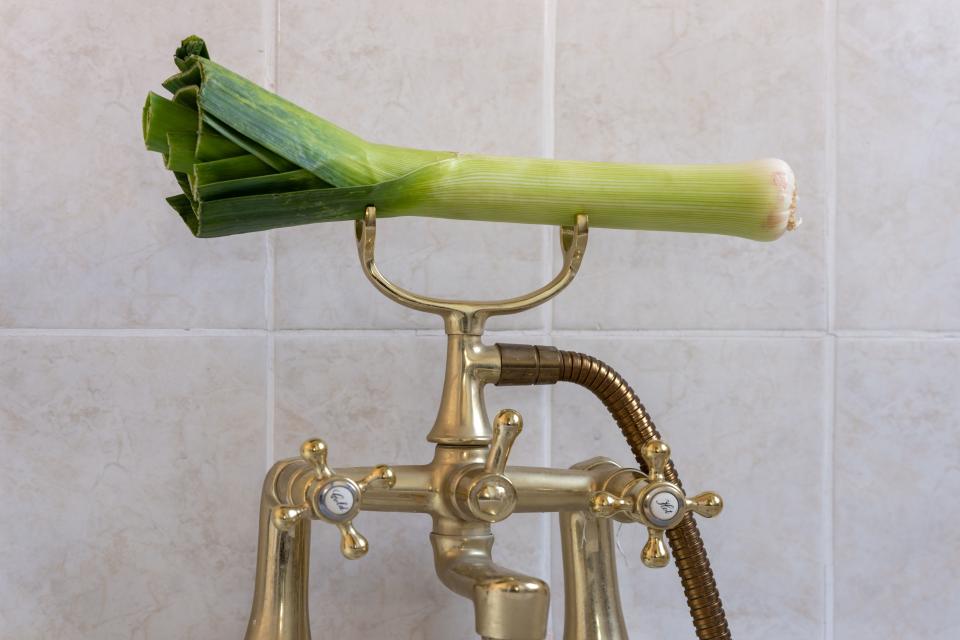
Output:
x=248 y=160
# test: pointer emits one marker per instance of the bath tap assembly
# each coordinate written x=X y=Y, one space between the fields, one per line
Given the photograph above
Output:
x=468 y=486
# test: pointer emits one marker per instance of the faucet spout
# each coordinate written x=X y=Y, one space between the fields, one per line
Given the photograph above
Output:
x=507 y=604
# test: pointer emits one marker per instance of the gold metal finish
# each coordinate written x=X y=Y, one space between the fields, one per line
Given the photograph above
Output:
x=461 y=418
x=507 y=605
x=652 y=500
x=591 y=595
x=506 y=427
x=333 y=498
x=605 y=505
x=655 y=554
x=462 y=415
x=485 y=493
x=707 y=504
x=469 y=316
x=505 y=601
x=468 y=485
x=656 y=453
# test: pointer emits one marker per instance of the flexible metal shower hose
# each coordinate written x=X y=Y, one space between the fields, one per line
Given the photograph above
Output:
x=523 y=364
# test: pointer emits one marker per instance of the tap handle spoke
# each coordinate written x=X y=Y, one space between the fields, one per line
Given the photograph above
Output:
x=655 y=554
x=285 y=517
x=352 y=544
x=604 y=504
x=314 y=451
x=506 y=427
x=707 y=504
x=381 y=476
x=656 y=454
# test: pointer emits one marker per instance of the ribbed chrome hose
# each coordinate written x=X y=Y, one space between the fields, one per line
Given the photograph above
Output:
x=524 y=364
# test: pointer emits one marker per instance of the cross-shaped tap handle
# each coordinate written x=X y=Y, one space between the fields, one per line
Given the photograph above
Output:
x=333 y=498
x=655 y=502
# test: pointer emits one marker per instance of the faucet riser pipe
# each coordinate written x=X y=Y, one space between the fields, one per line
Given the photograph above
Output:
x=591 y=594
x=280 y=608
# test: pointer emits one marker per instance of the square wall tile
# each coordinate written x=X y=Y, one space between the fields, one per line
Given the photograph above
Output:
x=743 y=417
x=132 y=468
x=373 y=400
x=897 y=545
x=898 y=123
x=86 y=237
x=669 y=82
x=459 y=76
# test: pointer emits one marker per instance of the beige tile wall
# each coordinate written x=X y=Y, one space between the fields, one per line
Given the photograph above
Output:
x=147 y=379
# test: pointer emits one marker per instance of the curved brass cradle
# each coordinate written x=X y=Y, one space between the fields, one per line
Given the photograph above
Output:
x=468 y=316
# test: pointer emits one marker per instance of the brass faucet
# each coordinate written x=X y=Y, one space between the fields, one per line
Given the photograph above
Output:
x=468 y=486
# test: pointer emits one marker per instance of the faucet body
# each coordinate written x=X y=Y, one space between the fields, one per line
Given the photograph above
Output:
x=468 y=486
x=508 y=605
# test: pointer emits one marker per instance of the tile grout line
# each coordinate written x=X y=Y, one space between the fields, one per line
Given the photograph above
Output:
x=548 y=150
x=271 y=346
x=830 y=162
x=827 y=475
x=830 y=383
x=270 y=13
x=640 y=334
x=689 y=333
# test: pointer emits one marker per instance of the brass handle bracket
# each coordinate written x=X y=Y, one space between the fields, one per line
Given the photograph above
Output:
x=468 y=316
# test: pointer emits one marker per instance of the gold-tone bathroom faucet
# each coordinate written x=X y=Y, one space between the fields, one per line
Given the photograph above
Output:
x=469 y=485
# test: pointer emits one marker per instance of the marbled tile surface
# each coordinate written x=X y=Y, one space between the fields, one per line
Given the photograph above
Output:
x=87 y=239
x=373 y=400
x=131 y=468
x=462 y=76
x=133 y=464
x=898 y=121
x=743 y=417
x=897 y=478
x=688 y=82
